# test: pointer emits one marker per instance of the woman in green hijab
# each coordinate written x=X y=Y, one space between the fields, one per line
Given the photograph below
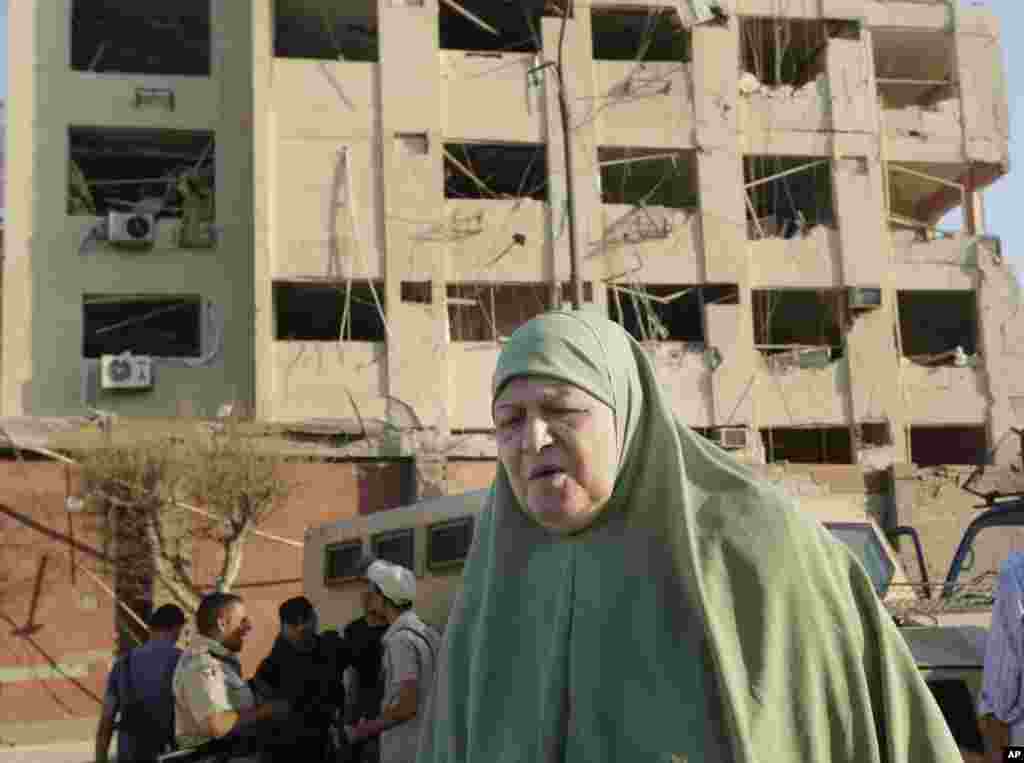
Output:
x=634 y=594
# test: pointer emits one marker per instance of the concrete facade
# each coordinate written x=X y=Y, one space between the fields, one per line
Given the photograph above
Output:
x=343 y=170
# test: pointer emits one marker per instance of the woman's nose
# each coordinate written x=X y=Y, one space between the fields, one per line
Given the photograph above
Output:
x=536 y=435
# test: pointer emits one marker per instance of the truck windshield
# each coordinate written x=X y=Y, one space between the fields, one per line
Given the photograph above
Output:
x=862 y=540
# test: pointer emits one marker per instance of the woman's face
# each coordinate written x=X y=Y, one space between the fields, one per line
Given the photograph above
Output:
x=558 y=446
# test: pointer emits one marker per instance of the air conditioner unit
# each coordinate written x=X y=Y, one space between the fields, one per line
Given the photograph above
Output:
x=131 y=229
x=865 y=298
x=126 y=371
x=729 y=438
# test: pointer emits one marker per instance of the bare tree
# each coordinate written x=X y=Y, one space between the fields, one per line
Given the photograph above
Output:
x=156 y=501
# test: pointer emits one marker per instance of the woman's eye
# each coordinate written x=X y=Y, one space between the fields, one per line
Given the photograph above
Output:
x=509 y=421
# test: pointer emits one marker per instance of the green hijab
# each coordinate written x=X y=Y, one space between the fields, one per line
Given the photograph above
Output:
x=701 y=617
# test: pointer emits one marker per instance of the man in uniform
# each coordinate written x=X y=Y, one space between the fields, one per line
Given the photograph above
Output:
x=212 y=701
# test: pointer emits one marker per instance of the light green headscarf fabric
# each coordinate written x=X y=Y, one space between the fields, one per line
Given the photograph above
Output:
x=702 y=604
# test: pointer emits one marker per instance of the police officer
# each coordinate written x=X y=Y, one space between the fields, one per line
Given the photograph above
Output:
x=212 y=701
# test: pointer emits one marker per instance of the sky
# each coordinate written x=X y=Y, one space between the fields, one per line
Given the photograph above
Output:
x=1000 y=209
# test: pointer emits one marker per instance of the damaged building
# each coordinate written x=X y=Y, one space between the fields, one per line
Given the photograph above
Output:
x=329 y=214
x=323 y=210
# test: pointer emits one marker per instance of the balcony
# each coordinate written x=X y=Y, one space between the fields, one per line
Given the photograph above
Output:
x=491 y=95
x=318 y=98
x=642 y=104
x=802 y=387
x=812 y=259
x=308 y=375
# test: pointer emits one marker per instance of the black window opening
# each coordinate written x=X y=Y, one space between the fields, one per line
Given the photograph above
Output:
x=937 y=445
x=914 y=67
x=787 y=51
x=487 y=26
x=796 y=321
x=141 y=37
x=486 y=312
x=396 y=546
x=338 y=31
x=787 y=195
x=495 y=171
x=417 y=292
x=351 y=312
x=648 y=177
x=640 y=34
x=169 y=173
x=666 y=312
x=938 y=327
x=817 y=445
x=448 y=543
x=342 y=561
x=160 y=326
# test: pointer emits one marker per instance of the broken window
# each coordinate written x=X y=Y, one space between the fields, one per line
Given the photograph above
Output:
x=351 y=312
x=328 y=31
x=495 y=171
x=787 y=51
x=921 y=195
x=914 y=67
x=874 y=434
x=937 y=445
x=485 y=312
x=801 y=326
x=938 y=327
x=787 y=196
x=418 y=292
x=141 y=36
x=808 y=445
x=666 y=312
x=484 y=25
x=168 y=173
x=640 y=34
x=647 y=177
x=161 y=326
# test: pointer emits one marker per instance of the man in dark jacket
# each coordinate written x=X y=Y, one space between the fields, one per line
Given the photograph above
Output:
x=363 y=637
x=305 y=668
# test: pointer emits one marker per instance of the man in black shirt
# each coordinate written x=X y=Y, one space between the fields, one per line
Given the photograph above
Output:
x=363 y=638
x=305 y=668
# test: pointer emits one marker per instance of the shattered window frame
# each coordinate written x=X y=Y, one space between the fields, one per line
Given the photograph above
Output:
x=651 y=315
x=948 y=328
x=832 y=438
x=293 y=300
x=659 y=40
x=649 y=177
x=141 y=33
x=142 y=324
x=483 y=27
x=780 y=339
x=299 y=33
x=800 y=63
x=910 y=80
x=909 y=207
x=476 y=314
x=475 y=169
x=787 y=196
x=169 y=171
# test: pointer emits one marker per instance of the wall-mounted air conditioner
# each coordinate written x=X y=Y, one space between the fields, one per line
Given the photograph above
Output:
x=126 y=371
x=131 y=229
x=729 y=438
x=862 y=298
